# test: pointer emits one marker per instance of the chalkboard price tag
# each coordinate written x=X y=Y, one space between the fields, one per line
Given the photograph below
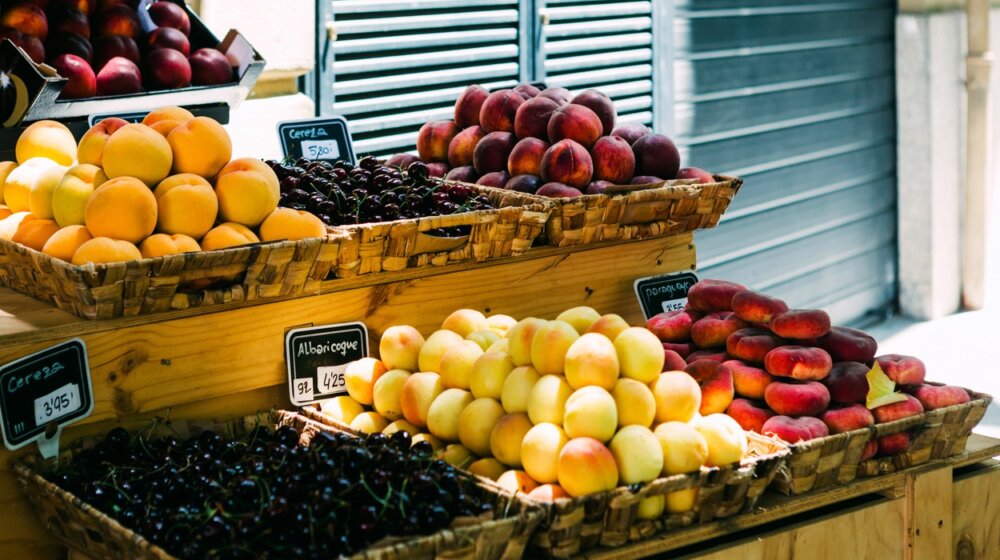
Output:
x=325 y=138
x=664 y=293
x=132 y=117
x=47 y=388
x=316 y=358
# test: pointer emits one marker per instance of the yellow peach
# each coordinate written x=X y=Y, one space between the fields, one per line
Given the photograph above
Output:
x=122 y=208
x=590 y=412
x=5 y=168
x=516 y=481
x=48 y=139
x=547 y=401
x=500 y=323
x=135 y=150
x=291 y=224
x=369 y=423
x=592 y=360
x=684 y=448
x=178 y=114
x=487 y=468
x=586 y=467
x=341 y=408
x=457 y=363
x=540 y=449
x=727 y=442
x=549 y=347
x=506 y=438
x=457 y=455
x=677 y=396
x=186 y=204
x=40 y=196
x=436 y=444
x=442 y=416
x=228 y=235
x=248 y=191
x=609 y=325
x=64 y=243
x=640 y=353
x=489 y=373
x=484 y=338
x=417 y=394
x=681 y=501
x=104 y=250
x=433 y=349
x=5 y=212
x=635 y=401
x=475 y=424
x=35 y=233
x=465 y=322
x=502 y=346
x=91 y=149
x=17 y=187
x=638 y=455
x=516 y=390
x=360 y=376
x=548 y=493
x=161 y=245
x=400 y=347
x=401 y=426
x=69 y=199
x=650 y=508
x=164 y=128
x=519 y=339
x=10 y=224
x=200 y=146
x=580 y=317
x=386 y=392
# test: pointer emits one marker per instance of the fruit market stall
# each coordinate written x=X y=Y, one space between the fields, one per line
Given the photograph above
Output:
x=504 y=395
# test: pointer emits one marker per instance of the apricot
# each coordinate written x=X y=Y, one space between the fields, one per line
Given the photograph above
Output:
x=178 y=114
x=517 y=481
x=341 y=408
x=547 y=400
x=69 y=198
x=417 y=394
x=499 y=109
x=581 y=317
x=489 y=374
x=136 y=150
x=461 y=149
x=186 y=204
x=161 y=244
x=755 y=307
x=592 y=360
x=457 y=364
x=638 y=455
x=934 y=397
x=434 y=138
x=549 y=346
x=476 y=422
x=848 y=345
x=640 y=354
x=5 y=168
x=904 y=370
x=798 y=362
x=20 y=180
x=507 y=437
x=749 y=415
x=122 y=208
x=714 y=328
x=92 y=144
x=465 y=322
x=801 y=324
x=248 y=191
x=386 y=391
x=433 y=349
x=610 y=325
x=401 y=426
x=713 y=295
x=727 y=443
x=548 y=493
x=532 y=118
x=40 y=195
x=809 y=398
x=64 y=243
x=103 y=250
x=656 y=155
x=590 y=412
x=291 y=224
x=399 y=347
x=650 y=508
x=47 y=139
x=794 y=430
x=469 y=104
x=487 y=468
x=716 y=381
x=635 y=402
x=517 y=387
x=748 y=381
x=540 y=448
x=586 y=466
x=200 y=146
x=442 y=416
x=847 y=418
x=228 y=235
x=35 y=233
x=677 y=396
x=5 y=212
x=10 y=224
x=360 y=376
x=484 y=338
x=567 y=162
x=369 y=423
x=752 y=344
x=684 y=449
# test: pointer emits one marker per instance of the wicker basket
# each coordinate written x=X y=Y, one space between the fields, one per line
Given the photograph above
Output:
x=83 y=527
x=574 y=525
x=824 y=462
x=659 y=210
x=106 y=291
x=508 y=230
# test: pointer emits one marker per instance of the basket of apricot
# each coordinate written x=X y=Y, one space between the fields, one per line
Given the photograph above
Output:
x=270 y=486
x=152 y=216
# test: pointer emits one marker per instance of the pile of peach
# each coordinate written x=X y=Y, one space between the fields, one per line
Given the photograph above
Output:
x=571 y=406
x=99 y=46
x=546 y=142
x=102 y=201
x=744 y=347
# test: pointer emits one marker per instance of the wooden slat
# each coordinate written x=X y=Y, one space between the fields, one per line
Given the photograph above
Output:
x=928 y=515
x=976 y=535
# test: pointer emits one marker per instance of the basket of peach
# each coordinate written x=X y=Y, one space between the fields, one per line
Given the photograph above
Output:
x=576 y=415
x=151 y=216
x=787 y=373
x=608 y=180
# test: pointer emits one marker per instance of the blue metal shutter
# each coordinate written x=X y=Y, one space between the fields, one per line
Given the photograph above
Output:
x=396 y=64
x=798 y=99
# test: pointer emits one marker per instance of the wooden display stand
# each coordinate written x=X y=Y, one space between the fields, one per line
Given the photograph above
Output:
x=225 y=362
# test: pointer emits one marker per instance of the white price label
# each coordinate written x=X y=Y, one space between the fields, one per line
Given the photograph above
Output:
x=331 y=380
x=303 y=389
x=61 y=402
x=674 y=305
x=320 y=149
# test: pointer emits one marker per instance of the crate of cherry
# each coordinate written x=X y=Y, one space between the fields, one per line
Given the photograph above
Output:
x=270 y=486
x=608 y=180
x=404 y=218
x=844 y=410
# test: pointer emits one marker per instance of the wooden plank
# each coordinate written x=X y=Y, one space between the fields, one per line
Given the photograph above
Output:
x=975 y=528
x=928 y=514
x=833 y=537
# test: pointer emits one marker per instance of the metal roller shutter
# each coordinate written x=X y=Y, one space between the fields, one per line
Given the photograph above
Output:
x=799 y=99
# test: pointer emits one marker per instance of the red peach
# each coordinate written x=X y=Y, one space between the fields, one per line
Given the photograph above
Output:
x=498 y=111
x=577 y=123
x=166 y=14
x=755 y=307
x=567 y=162
x=684 y=349
x=897 y=410
x=598 y=187
x=82 y=81
x=933 y=397
x=31 y=45
x=871 y=448
x=209 y=67
x=524 y=183
x=752 y=344
x=809 y=398
x=557 y=94
x=166 y=69
x=85 y=6
x=169 y=38
x=119 y=76
x=613 y=160
x=468 y=105
x=716 y=381
x=713 y=355
x=463 y=145
x=904 y=370
x=673 y=326
x=645 y=180
x=749 y=381
x=434 y=138
x=893 y=444
x=526 y=157
x=601 y=105
x=794 y=430
x=69 y=20
x=465 y=174
x=749 y=415
x=848 y=382
x=532 y=118
x=437 y=169
x=713 y=329
x=401 y=160
x=558 y=190
x=26 y=18
x=672 y=361
x=847 y=418
x=702 y=176
x=495 y=179
x=713 y=295
x=656 y=155
x=492 y=152
x=799 y=362
x=631 y=132
x=106 y=48
x=527 y=91
x=118 y=20
x=801 y=324
x=848 y=345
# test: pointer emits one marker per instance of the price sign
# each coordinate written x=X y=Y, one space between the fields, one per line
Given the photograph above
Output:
x=316 y=358
x=664 y=293
x=48 y=388
x=325 y=138
x=132 y=117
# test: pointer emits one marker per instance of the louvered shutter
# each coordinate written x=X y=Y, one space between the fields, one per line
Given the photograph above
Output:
x=395 y=65
x=607 y=45
x=799 y=99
